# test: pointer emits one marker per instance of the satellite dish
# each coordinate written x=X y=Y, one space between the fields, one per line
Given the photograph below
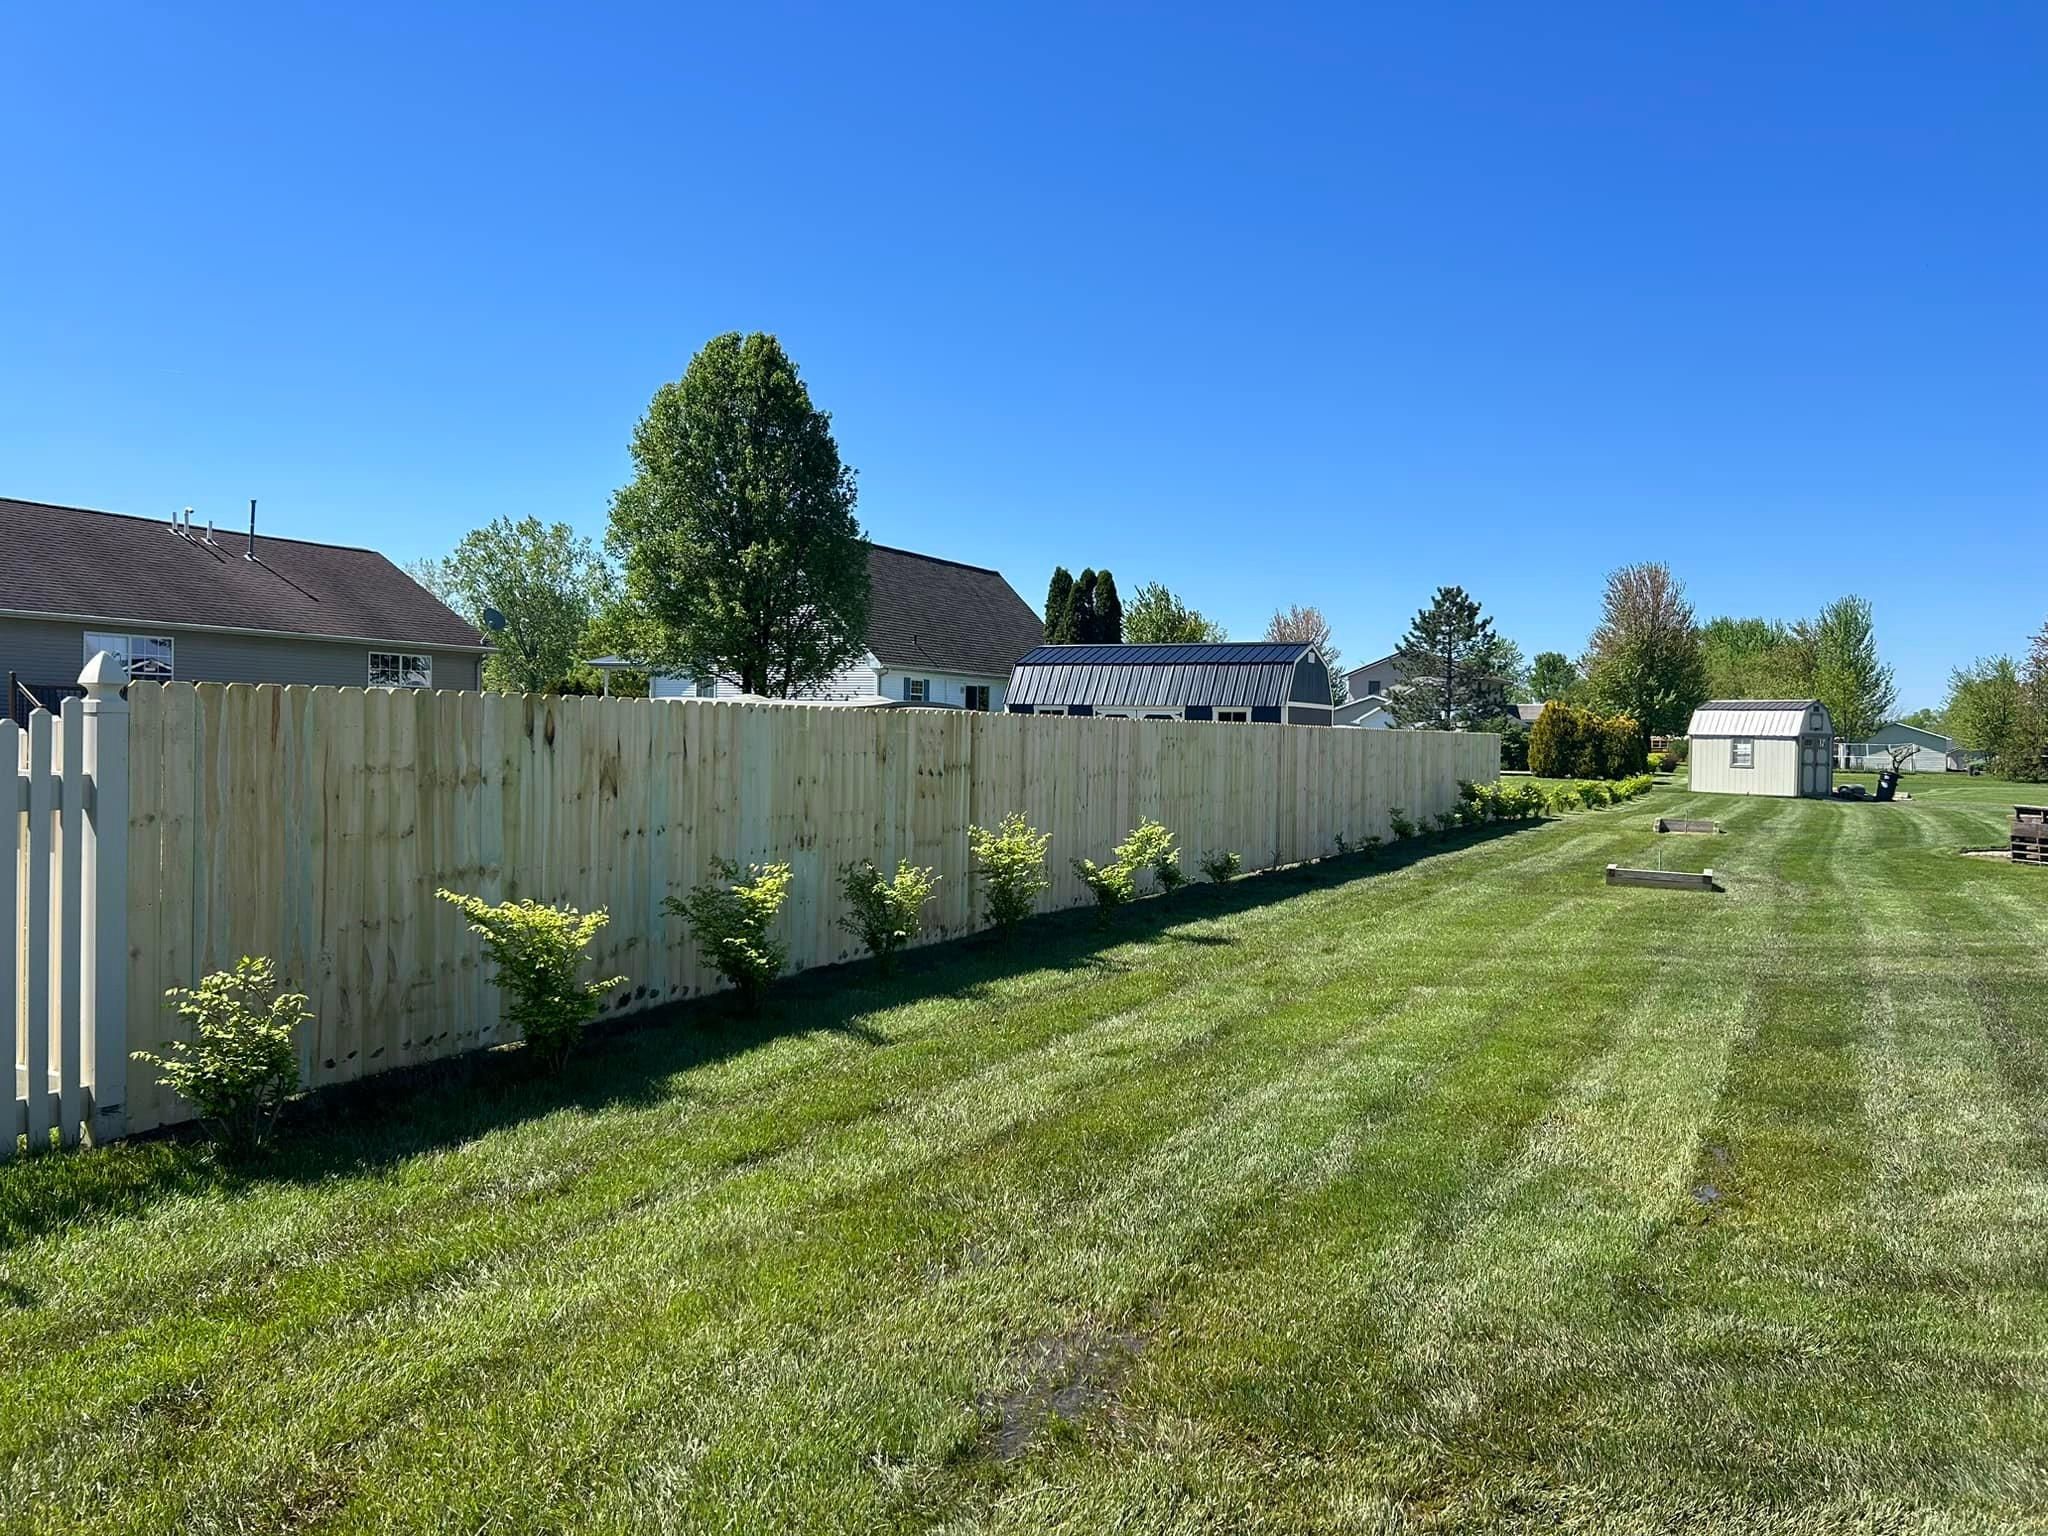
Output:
x=493 y=620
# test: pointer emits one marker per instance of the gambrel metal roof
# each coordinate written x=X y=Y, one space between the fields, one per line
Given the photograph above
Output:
x=1234 y=675
x=1770 y=719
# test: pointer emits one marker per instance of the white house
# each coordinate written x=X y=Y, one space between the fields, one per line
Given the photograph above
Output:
x=939 y=633
x=1918 y=751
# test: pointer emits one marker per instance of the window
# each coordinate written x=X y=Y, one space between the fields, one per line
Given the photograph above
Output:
x=1372 y=687
x=975 y=696
x=1234 y=716
x=1741 y=753
x=400 y=669
x=144 y=658
x=916 y=689
x=707 y=687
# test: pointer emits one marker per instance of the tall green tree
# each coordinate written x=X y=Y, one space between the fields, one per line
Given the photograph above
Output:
x=1454 y=669
x=1757 y=659
x=2026 y=757
x=1985 y=706
x=1643 y=659
x=544 y=578
x=737 y=531
x=1059 y=604
x=1848 y=675
x=1553 y=677
x=1109 y=611
x=1304 y=624
x=1081 y=609
x=1157 y=617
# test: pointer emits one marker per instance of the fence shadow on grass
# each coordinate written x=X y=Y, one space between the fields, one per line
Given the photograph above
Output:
x=364 y=1126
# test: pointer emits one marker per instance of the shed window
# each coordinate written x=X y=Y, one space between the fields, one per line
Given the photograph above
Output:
x=1235 y=716
x=144 y=658
x=400 y=669
x=1741 y=752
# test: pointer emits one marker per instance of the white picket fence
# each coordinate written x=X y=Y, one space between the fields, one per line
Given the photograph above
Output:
x=64 y=904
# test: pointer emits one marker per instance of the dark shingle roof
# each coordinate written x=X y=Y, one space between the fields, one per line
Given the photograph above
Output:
x=928 y=612
x=104 y=565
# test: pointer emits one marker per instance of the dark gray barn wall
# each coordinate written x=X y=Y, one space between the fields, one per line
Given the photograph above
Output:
x=53 y=651
x=1311 y=682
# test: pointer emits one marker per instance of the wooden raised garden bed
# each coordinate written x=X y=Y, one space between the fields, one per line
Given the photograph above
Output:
x=1663 y=879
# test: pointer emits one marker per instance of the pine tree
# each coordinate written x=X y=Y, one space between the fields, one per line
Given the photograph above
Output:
x=1450 y=664
x=1109 y=611
x=1059 y=602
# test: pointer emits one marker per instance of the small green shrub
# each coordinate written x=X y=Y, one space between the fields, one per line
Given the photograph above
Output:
x=1667 y=761
x=1221 y=867
x=1371 y=845
x=538 y=950
x=733 y=915
x=1636 y=784
x=1009 y=863
x=1564 y=798
x=242 y=1061
x=1150 y=846
x=1399 y=824
x=1112 y=884
x=885 y=911
x=1446 y=822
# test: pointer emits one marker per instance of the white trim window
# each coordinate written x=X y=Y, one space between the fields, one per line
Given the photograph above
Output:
x=1741 y=752
x=917 y=690
x=401 y=669
x=143 y=658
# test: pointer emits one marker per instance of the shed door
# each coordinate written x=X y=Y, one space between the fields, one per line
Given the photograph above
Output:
x=1813 y=767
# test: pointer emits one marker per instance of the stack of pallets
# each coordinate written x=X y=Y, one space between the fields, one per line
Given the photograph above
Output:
x=2030 y=834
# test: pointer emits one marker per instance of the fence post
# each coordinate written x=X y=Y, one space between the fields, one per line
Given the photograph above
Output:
x=104 y=893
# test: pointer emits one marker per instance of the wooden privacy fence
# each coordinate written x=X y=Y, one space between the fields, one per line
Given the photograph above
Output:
x=314 y=824
x=63 y=907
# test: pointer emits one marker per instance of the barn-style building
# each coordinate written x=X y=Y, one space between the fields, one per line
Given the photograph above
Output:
x=1236 y=681
x=1763 y=747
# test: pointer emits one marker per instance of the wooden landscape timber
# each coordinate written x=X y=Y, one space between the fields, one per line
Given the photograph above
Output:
x=313 y=825
x=1686 y=824
x=1662 y=879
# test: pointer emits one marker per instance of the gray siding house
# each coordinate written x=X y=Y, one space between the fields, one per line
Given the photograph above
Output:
x=182 y=603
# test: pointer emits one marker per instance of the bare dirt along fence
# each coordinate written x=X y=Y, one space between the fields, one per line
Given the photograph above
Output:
x=313 y=825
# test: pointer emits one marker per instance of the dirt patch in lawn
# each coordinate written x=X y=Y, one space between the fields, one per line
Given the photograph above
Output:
x=1066 y=1377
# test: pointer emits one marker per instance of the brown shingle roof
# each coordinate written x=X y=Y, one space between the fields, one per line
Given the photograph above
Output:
x=928 y=612
x=104 y=565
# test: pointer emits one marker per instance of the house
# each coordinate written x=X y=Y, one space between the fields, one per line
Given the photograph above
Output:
x=1374 y=680
x=939 y=633
x=1899 y=748
x=1236 y=681
x=1368 y=713
x=1763 y=747
x=170 y=599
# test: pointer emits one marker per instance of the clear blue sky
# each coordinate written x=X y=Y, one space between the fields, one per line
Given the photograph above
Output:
x=1326 y=305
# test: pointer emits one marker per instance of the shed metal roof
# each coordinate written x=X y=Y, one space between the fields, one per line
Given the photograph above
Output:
x=1767 y=718
x=1230 y=676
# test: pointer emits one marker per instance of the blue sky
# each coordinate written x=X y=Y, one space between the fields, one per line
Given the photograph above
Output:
x=1325 y=305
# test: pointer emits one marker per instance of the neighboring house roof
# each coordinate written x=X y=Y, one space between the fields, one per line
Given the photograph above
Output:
x=1358 y=711
x=1232 y=675
x=925 y=612
x=1767 y=718
x=108 y=568
x=1384 y=670
x=1894 y=733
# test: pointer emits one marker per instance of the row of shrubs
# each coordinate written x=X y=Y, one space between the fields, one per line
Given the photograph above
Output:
x=1568 y=742
x=240 y=1062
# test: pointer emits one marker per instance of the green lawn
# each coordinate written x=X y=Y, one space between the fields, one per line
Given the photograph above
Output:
x=1457 y=1191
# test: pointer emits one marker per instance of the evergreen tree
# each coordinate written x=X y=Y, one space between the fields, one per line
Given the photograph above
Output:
x=1450 y=663
x=1109 y=611
x=1059 y=602
x=1081 y=610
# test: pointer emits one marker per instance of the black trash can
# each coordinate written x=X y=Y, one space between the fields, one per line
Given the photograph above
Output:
x=1887 y=782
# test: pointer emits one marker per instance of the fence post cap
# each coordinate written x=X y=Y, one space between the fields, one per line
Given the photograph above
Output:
x=103 y=677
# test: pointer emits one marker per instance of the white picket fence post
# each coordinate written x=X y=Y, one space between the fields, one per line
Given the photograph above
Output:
x=64 y=917
x=104 y=893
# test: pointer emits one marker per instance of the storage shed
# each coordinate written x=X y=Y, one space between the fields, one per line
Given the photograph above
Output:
x=1232 y=682
x=1763 y=747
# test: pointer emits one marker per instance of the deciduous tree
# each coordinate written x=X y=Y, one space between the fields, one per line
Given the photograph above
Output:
x=737 y=531
x=1553 y=677
x=544 y=578
x=1644 y=659
x=1848 y=675
x=1157 y=617
x=1305 y=625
